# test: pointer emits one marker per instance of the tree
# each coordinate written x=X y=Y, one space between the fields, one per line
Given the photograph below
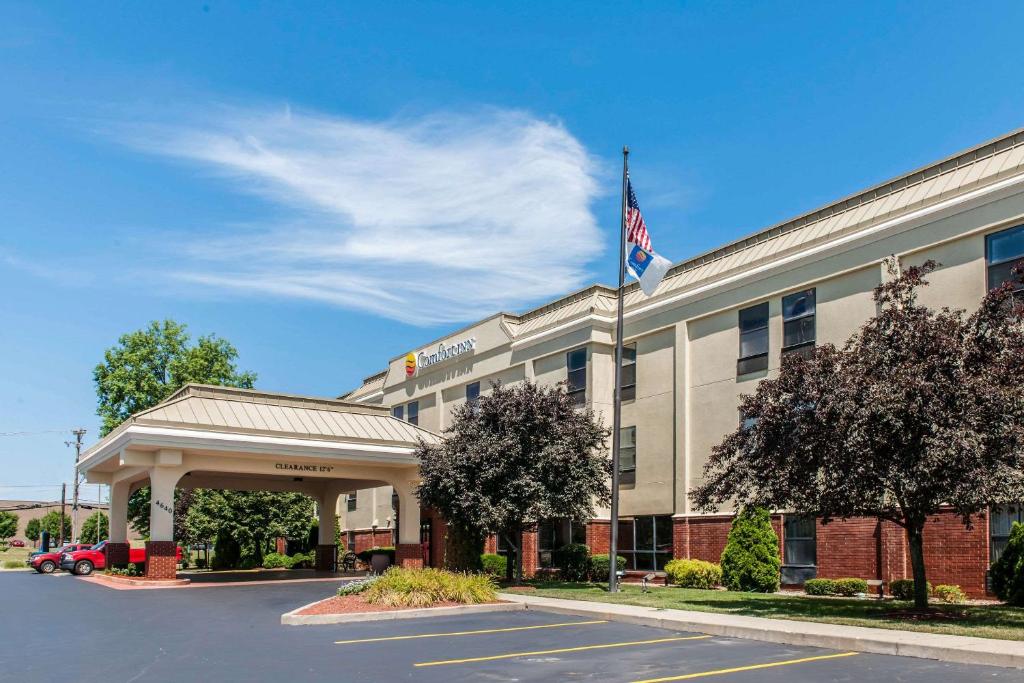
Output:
x=95 y=528
x=1008 y=571
x=148 y=365
x=523 y=454
x=50 y=522
x=919 y=410
x=33 y=530
x=750 y=561
x=144 y=368
x=251 y=518
x=8 y=525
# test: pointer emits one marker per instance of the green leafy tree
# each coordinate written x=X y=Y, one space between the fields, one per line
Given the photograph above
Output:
x=147 y=366
x=253 y=519
x=50 y=522
x=33 y=530
x=919 y=410
x=95 y=528
x=1008 y=571
x=750 y=561
x=522 y=454
x=8 y=525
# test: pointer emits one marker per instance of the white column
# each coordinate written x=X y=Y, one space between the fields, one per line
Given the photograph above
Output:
x=328 y=505
x=119 y=493
x=408 y=512
x=162 y=481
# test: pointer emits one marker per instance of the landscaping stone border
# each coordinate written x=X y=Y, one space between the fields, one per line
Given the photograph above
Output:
x=123 y=582
x=293 y=618
x=946 y=648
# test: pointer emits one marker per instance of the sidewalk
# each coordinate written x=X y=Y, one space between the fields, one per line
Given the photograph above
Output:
x=960 y=649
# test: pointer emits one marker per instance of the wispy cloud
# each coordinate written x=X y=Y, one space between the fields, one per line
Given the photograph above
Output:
x=436 y=219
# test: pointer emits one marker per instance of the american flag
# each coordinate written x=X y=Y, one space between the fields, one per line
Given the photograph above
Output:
x=636 y=229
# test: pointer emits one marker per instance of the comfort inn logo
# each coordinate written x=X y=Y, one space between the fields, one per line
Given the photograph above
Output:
x=410 y=365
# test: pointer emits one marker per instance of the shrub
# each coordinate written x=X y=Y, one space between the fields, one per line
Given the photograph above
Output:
x=1008 y=571
x=573 y=561
x=494 y=565
x=402 y=587
x=357 y=587
x=277 y=561
x=300 y=561
x=951 y=594
x=247 y=562
x=820 y=587
x=200 y=563
x=227 y=551
x=694 y=573
x=600 y=565
x=750 y=561
x=13 y=564
x=903 y=589
x=365 y=555
x=850 y=587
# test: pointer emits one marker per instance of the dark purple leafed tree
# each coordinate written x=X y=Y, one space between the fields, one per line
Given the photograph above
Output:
x=522 y=454
x=919 y=410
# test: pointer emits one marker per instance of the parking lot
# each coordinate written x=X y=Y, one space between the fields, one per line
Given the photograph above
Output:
x=51 y=623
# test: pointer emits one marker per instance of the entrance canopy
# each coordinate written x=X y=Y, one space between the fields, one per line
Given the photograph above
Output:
x=241 y=439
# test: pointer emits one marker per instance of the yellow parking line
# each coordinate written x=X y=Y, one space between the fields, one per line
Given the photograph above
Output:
x=470 y=633
x=535 y=653
x=738 y=669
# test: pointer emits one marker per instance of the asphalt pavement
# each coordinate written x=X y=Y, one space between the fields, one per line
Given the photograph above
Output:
x=59 y=628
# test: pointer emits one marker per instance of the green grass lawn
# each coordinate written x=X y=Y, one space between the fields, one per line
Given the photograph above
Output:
x=15 y=554
x=984 y=621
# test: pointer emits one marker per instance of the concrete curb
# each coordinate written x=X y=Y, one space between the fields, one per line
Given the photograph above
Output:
x=960 y=649
x=124 y=583
x=293 y=618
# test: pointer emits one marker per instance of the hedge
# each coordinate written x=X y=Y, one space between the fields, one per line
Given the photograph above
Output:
x=494 y=565
x=694 y=574
x=903 y=589
x=950 y=594
x=844 y=587
x=600 y=566
x=388 y=550
x=573 y=562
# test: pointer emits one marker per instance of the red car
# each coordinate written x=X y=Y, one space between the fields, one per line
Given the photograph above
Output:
x=46 y=563
x=17 y=543
x=84 y=561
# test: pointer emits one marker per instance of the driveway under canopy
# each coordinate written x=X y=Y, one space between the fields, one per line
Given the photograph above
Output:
x=247 y=440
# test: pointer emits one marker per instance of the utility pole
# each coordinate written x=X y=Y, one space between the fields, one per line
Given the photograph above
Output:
x=63 y=497
x=77 y=444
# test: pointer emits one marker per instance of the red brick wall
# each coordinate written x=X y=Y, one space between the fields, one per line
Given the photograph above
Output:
x=367 y=538
x=161 y=559
x=707 y=536
x=955 y=554
x=848 y=548
x=409 y=555
x=324 y=560
x=599 y=536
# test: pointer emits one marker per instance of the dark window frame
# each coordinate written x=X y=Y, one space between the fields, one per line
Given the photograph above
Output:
x=991 y=265
x=399 y=412
x=997 y=542
x=352 y=501
x=548 y=534
x=628 y=372
x=657 y=554
x=804 y=347
x=475 y=399
x=753 y=362
x=577 y=390
x=627 y=473
x=795 y=545
x=412 y=412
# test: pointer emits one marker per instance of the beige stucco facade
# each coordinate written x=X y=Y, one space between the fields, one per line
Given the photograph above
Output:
x=687 y=335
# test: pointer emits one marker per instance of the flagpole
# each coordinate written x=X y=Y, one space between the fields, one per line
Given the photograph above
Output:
x=613 y=549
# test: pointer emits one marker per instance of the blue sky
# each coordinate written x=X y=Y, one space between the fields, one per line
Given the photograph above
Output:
x=328 y=187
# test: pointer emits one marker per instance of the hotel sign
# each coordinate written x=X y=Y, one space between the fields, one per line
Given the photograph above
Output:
x=425 y=359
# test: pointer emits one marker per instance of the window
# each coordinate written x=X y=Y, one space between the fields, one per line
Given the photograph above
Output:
x=627 y=455
x=576 y=365
x=646 y=542
x=1003 y=251
x=414 y=413
x=1001 y=519
x=473 y=394
x=350 y=541
x=399 y=412
x=552 y=534
x=629 y=372
x=800 y=541
x=753 y=339
x=798 y=311
x=350 y=501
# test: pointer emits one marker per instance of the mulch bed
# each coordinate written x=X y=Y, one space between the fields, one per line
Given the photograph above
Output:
x=349 y=604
